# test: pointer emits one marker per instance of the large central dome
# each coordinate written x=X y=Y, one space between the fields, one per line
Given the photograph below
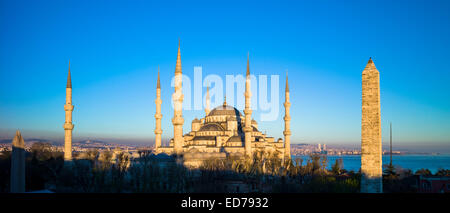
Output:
x=225 y=110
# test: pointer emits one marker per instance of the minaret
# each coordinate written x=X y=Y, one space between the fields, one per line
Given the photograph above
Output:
x=248 y=112
x=18 y=164
x=287 y=122
x=208 y=102
x=177 y=97
x=371 y=159
x=68 y=126
x=158 y=115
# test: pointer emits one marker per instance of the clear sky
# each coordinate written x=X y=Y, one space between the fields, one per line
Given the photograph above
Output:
x=115 y=48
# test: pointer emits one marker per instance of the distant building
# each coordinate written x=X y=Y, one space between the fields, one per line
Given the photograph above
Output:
x=433 y=184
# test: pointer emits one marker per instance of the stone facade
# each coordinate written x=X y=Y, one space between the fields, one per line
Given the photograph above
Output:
x=68 y=126
x=371 y=153
x=221 y=133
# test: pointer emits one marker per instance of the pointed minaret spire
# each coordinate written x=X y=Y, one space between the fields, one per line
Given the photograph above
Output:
x=248 y=64
x=158 y=84
x=248 y=113
x=178 y=66
x=69 y=81
x=287 y=84
x=18 y=164
x=158 y=116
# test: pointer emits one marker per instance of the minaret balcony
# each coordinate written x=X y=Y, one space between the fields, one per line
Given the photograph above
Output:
x=247 y=129
x=287 y=132
x=158 y=131
x=68 y=126
x=158 y=116
x=68 y=107
x=177 y=120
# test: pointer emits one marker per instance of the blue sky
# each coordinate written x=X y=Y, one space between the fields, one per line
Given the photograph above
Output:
x=115 y=48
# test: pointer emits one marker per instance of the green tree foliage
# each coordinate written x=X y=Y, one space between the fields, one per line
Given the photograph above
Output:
x=337 y=167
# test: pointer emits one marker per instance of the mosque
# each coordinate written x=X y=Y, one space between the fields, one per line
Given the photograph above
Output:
x=224 y=131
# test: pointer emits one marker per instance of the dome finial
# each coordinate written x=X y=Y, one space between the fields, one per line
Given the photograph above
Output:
x=225 y=100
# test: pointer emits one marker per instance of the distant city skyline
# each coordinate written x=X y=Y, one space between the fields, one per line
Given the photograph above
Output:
x=115 y=53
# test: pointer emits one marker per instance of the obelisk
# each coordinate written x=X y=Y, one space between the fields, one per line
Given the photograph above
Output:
x=371 y=159
x=18 y=164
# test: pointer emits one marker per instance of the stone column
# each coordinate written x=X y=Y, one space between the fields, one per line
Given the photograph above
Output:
x=18 y=164
x=177 y=97
x=158 y=115
x=68 y=126
x=371 y=153
x=248 y=113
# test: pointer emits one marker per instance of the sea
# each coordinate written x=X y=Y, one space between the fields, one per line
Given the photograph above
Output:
x=409 y=161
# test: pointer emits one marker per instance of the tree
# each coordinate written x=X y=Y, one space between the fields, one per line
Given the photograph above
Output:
x=443 y=172
x=390 y=170
x=337 y=167
x=424 y=172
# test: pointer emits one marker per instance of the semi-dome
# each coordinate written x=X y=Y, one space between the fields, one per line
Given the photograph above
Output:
x=225 y=110
x=212 y=127
x=236 y=138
